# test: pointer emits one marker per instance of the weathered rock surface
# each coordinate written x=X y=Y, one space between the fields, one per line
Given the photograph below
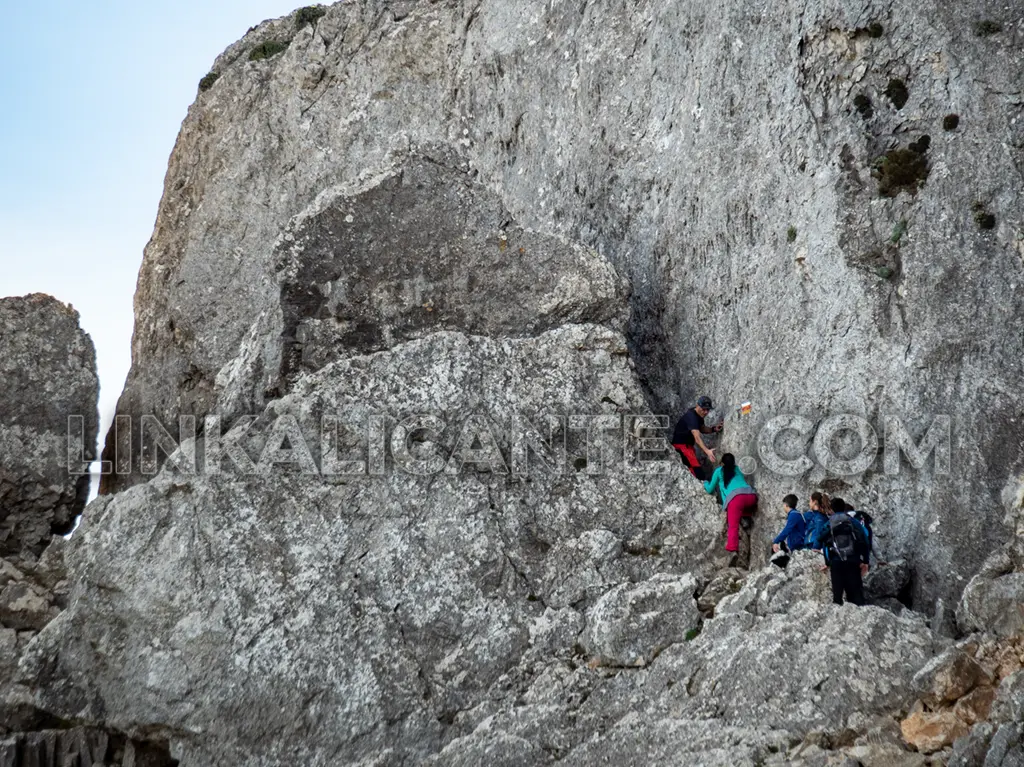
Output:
x=419 y=208
x=634 y=131
x=970 y=693
x=729 y=696
x=418 y=248
x=887 y=581
x=631 y=624
x=369 y=610
x=994 y=598
x=48 y=373
x=776 y=590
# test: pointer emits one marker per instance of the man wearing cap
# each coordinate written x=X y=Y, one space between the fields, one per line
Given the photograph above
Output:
x=686 y=437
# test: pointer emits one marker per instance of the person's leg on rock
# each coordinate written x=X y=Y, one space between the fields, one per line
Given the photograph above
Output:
x=733 y=513
x=747 y=510
x=692 y=462
x=838 y=584
x=854 y=585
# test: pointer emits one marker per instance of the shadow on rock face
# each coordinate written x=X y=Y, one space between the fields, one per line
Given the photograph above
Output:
x=424 y=247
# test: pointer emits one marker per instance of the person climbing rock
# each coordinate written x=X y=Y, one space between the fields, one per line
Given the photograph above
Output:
x=739 y=500
x=686 y=437
x=845 y=546
x=793 y=536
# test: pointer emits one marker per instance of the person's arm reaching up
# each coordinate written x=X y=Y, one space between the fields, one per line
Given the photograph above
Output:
x=714 y=482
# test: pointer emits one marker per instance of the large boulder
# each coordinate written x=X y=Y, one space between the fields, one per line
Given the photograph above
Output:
x=418 y=247
x=292 y=614
x=47 y=375
x=994 y=598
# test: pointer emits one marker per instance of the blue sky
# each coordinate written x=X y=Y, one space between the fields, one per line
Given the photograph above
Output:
x=93 y=95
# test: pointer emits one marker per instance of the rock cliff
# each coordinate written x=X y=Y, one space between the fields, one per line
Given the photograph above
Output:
x=817 y=206
x=48 y=369
x=403 y=244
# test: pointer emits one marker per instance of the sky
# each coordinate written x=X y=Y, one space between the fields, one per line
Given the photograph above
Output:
x=92 y=96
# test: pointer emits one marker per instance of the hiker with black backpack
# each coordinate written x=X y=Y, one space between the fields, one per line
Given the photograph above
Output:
x=866 y=521
x=845 y=546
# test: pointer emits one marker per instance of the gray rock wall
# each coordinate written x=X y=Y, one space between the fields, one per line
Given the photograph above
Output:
x=48 y=373
x=749 y=170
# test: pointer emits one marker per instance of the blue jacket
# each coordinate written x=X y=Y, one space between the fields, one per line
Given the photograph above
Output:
x=738 y=485
x=795 y=531
x=816 y=529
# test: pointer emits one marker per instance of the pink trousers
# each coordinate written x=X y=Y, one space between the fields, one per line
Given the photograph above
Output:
x=740 y=506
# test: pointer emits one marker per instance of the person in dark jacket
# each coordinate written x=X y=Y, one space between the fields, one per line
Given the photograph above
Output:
x=847 y=554
x=794 y=534
x=686 y=437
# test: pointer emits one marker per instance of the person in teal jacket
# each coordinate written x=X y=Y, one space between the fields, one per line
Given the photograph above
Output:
x=739 y=499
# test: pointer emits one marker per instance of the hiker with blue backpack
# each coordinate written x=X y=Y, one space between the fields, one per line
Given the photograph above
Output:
x=844 y=542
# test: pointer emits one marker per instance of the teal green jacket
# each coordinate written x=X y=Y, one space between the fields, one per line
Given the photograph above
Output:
x=737 y=486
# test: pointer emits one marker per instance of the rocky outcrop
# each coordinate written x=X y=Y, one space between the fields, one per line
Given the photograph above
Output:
x=351 y=615
x=968 y=694
x=726 y=697
x=48 y=370
x=631 y=624
x=418 y=248
x=384 y=566
x=994 y=598
x=393 y=255
x=47 y=375
x=800 y=212
x=776 y=590
x=989 y=665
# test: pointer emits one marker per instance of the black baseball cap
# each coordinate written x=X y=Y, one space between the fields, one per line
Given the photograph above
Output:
x=704 y=402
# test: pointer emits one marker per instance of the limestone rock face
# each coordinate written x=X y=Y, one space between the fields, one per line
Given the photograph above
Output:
x=47 y=373
x=994 y=598
x=800 y=212
x=383 y=247
x=775 y=590
x=418 y=248
x=630 y=625
x=369 y=610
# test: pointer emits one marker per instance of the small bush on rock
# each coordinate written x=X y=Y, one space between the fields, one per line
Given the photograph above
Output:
x=309 y=15
x=901 y=170
x=267 y=50
x=897 y=92
x=207 y=82
x=863 y=104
